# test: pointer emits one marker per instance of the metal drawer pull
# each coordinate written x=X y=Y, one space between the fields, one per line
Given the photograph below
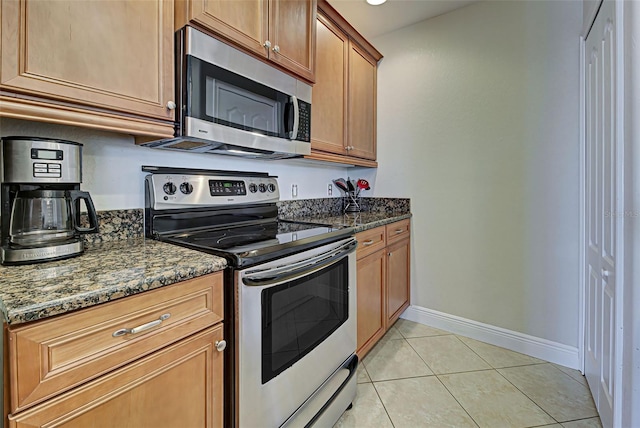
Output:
x=142 y=327
x=399 y=231
x=221 y=345
x=367 y=243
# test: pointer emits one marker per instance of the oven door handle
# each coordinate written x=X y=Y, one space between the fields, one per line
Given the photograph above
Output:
x=272 y=276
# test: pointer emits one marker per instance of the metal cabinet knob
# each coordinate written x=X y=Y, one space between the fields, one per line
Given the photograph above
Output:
x=221 y=345
x=171 y=105
x=276 y=48
x=267 y=44
x=606 y=273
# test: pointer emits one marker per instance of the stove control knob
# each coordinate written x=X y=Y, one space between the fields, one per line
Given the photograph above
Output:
x=262 y=187
x=271 y=187
x=253 y=188
x=186 y=188
x=169 y=188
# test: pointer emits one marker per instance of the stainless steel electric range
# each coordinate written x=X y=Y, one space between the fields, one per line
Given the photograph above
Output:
x=290 y=287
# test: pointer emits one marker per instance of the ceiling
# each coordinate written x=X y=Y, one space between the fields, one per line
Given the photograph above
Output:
x=372 y=21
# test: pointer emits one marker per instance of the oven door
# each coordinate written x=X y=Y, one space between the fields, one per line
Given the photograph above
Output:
x=297 y=326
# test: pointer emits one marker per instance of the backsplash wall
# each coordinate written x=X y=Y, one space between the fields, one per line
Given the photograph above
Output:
x=112 y=174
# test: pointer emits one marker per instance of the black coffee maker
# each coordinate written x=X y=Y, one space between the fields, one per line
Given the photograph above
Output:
x=41 y=200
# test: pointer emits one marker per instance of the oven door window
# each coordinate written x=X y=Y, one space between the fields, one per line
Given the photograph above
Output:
x=298 y=315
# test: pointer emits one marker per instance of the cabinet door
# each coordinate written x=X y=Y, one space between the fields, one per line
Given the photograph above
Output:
x=116 y=55
x=371 y=272
x=179 y=386
x=243 y=22
x=398 y=278
x=328 y=115
x=79 y=346
x=292 y=32
x=362 y=104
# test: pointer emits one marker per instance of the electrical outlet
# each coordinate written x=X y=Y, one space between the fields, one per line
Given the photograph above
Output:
x=330 y=189
x=294 y=190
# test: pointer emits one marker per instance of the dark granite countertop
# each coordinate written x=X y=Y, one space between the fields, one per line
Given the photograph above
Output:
x=119 y=262
x=359 y=221
x=105 y=272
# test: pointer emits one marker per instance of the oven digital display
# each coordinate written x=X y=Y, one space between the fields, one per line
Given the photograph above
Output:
x=227 y=188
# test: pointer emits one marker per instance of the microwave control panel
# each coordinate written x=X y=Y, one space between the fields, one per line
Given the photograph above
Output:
x=304 y=121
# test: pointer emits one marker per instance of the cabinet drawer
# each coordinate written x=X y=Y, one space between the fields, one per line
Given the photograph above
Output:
x=370 y=241
x=178 y=386
x=50 y=356
x=398 y=230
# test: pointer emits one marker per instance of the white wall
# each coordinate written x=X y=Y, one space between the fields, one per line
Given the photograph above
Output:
x=112 y=164
x=478 y=123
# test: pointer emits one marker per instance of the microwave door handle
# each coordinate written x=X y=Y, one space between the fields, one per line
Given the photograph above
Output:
x=296 y=118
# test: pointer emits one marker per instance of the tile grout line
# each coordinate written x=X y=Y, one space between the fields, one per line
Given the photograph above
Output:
x=524 y=365
x=563 y=372
x=456 y=399
x=420 y=356
x=382 y=402
x=526 y=395
x=495 y=370
x=569 y=376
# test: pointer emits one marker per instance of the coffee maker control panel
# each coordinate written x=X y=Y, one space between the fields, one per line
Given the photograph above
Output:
x=30 y=160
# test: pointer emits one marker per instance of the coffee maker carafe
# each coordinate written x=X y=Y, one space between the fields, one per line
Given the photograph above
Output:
x=41 y=200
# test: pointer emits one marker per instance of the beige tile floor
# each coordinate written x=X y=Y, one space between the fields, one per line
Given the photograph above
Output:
x=418 y=376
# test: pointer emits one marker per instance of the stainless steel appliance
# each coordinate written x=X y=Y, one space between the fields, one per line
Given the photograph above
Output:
x=231 y=103
x=291 y=291
x=41 y=200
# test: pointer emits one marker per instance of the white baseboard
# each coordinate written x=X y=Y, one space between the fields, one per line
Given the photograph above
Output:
x=544 y=349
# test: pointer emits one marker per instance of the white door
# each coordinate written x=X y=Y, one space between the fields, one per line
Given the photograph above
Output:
x=601 y=215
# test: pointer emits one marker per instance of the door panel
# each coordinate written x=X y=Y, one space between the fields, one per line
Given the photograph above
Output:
x=601 y=215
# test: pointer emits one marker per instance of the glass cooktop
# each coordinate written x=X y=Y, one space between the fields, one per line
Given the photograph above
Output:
x=244 y=245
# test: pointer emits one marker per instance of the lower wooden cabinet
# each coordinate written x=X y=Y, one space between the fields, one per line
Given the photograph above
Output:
x=383 y=265
x=398 y=274
x=89 y=369
x=178 y=386
x=371 y=303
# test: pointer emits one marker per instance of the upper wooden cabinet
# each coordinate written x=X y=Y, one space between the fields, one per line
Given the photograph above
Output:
x=114 y=56
x=343 y=115
x=361 y=141
x=282 y=31
x=328 y=113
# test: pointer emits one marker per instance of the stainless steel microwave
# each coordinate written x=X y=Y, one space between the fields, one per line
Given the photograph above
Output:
x=232 y=103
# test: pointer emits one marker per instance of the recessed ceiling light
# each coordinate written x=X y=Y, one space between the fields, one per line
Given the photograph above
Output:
x=376 y=2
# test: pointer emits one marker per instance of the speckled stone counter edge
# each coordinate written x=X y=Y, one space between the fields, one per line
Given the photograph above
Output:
x=375 y=212
x=116 y=225
x=335 y=206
